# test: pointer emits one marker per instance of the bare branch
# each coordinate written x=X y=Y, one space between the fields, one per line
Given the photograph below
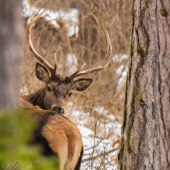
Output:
x=101 y=154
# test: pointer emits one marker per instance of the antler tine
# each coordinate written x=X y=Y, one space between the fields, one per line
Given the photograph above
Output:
x=33 y=18
x=55 y=63
x=75 y=73
x=103 y=65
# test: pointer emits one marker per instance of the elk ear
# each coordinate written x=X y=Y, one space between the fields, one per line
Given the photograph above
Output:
x=81 y=84
x=42 y=73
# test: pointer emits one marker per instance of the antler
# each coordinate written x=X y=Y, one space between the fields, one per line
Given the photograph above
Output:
x=33 y=18
x=103 y=65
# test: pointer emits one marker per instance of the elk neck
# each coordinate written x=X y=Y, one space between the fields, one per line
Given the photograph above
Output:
x=37 y=98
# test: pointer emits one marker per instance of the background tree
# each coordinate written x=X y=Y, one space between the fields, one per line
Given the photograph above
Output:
x=10 y=52
x=15 y=129
x=145 y=131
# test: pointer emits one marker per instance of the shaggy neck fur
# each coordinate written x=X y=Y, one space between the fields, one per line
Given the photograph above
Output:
x=37 y=98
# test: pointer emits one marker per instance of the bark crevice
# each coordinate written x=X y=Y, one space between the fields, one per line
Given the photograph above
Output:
x=145 y=131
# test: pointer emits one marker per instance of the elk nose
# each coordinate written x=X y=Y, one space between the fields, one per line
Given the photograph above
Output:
x=59 y=110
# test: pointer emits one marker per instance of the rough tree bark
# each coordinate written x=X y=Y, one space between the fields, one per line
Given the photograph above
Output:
x=146 y=127
x=10 y=50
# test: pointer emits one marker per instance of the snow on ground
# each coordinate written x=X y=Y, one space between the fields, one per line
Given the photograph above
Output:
x=104 y=139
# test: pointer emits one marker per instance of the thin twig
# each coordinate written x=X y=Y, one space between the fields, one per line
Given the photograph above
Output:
x=101 y=154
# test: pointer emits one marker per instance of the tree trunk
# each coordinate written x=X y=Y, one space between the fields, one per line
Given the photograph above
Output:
x=146 y=127
x=10 y=51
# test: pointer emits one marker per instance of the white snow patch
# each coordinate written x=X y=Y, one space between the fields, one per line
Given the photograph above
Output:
x=52 y=16
x=71 y=62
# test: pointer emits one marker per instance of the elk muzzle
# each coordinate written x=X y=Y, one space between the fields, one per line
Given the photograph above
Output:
x=58 y=109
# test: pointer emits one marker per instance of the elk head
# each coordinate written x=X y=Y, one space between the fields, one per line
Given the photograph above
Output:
x=59 y=88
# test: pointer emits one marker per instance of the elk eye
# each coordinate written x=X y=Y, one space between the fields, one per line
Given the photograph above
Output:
x=48 y=88
x=67 y=80
x=70 y=94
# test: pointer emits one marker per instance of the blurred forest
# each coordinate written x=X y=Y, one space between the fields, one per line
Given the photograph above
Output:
x=86 y=44
x=76 y=32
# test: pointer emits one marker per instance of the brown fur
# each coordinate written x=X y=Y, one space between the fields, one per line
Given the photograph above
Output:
x=36 y=98
x=59 y=131
x=55 y=133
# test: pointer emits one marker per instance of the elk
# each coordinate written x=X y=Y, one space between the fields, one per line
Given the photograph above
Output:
x=56 y=133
